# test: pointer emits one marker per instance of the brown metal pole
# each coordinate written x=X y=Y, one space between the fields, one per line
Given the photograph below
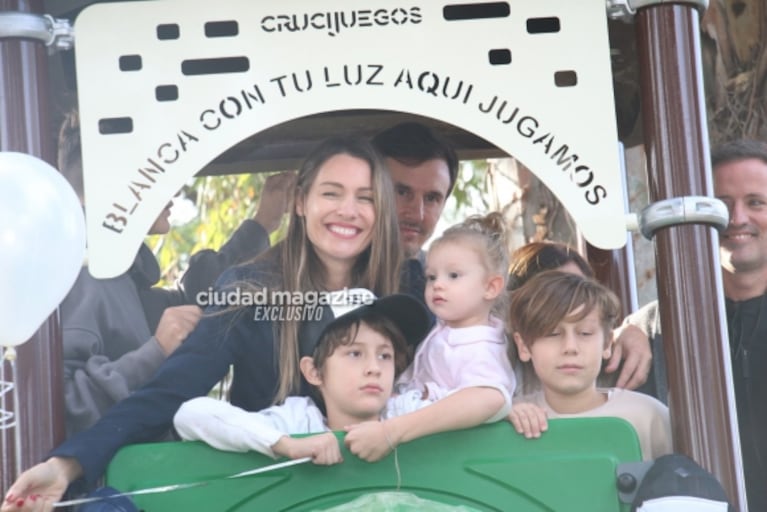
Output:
x=689 y=281
x=615 y=269
x=25 y=127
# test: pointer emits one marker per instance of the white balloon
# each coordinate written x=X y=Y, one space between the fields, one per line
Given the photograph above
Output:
x=42 y=244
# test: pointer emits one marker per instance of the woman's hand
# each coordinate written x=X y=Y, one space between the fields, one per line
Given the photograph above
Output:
x=528 y=419
x=38 y=488
x=322 y=448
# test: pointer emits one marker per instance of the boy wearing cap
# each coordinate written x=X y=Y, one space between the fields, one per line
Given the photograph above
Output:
x=351 y=363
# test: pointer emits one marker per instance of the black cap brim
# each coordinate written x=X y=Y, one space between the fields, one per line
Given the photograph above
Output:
x=405 y=311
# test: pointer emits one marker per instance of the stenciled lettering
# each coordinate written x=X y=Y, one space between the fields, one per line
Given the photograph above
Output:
x=500 y=112
x=529 y=127
x=167 y=153
x=298 y=85
x=431 y=83
x=231 y=107
x=563 y=160
x=353 y=75
x=114 y=222
x=333 y=22
x=596 y=194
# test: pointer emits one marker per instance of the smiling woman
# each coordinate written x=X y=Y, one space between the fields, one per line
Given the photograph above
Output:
x=339 y=213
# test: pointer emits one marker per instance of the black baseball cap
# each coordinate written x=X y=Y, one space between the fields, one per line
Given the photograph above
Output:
x=676 y=482
x=405 y=311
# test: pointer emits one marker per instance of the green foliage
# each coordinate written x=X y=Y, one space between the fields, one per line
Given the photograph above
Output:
x=222 y=203
x=472 y=186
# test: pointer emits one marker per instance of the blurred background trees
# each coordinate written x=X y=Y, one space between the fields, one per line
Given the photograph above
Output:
x=204 y=214
x=734 y=39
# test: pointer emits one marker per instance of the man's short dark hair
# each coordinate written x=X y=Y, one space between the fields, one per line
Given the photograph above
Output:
x=739 y=149
x=412 y=143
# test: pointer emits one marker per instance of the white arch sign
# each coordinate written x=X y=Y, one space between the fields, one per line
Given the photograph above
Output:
x=532 y=77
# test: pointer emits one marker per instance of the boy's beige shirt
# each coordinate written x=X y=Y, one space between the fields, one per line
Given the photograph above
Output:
x=648 y=416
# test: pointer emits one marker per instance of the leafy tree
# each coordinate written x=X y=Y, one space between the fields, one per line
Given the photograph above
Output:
x=221 y=204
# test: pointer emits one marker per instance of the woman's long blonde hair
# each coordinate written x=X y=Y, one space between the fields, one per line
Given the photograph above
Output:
x=376 y=268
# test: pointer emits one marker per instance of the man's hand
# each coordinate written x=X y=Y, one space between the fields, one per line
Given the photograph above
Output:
x=369 y=440
x=175 y=325
x=322 y=448
x=275 y=199
x=633 y=347
x=528 y=419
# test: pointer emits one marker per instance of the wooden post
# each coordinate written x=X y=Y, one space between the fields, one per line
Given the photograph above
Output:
x=24 y=127
x=690 y=290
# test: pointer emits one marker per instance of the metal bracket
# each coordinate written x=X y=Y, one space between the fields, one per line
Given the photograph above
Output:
x=625 y=10
x=57 y=34
x=677 y=211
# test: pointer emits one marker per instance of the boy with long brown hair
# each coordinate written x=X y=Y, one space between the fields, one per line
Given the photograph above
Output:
x=562 y=327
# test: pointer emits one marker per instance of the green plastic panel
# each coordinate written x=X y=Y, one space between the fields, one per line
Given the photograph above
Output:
x=570 y=468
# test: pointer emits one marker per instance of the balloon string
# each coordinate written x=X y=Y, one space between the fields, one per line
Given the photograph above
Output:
x=5 y=417
x=397 y=469
x=396 y=455
x=8 y=419
x=6 y=387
